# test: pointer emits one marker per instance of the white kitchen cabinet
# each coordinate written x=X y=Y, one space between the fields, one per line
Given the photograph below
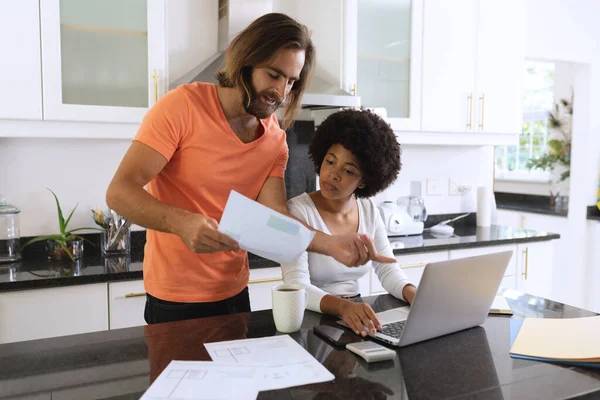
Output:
x=509 y=280
x=449 y=35
x=102 y=61
x=535 y=268
x=21 y=68
x=126 y=302
x=473 y=66
x=261 y=282
x=44 y=313
x=413 y=265
x=382 y=58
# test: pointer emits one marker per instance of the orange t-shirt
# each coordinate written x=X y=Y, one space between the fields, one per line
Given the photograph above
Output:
x=206 y=160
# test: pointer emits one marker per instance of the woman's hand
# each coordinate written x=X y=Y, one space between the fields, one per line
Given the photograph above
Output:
x=359 y=317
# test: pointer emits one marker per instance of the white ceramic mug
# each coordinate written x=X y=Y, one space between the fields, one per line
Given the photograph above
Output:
x=289 y=303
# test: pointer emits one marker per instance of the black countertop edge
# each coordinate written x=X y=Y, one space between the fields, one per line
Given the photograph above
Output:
x=533 y=209
x=470 y=245
x=36 y=273
x=593 y=213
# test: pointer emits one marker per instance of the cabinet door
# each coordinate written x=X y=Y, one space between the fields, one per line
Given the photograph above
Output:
x=535 y=268
x=261 y=282
x=127 y=301
x=388 y=59
x=500 y=66
x=592 y=260
x=102 y=60
x=509 y=281
x=413 y=265
x=21 y=68
x=449 y=41
x=44 y=313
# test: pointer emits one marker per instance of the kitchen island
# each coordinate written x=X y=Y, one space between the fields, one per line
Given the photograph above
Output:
x=121 y=364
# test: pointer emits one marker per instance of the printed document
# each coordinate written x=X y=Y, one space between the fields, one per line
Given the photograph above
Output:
x=263 y=231
x=204 y=380
x=284 y=362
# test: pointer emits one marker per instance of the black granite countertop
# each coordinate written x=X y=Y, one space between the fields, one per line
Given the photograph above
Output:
x=467 y=236
x=530 y=203
x=35 y=272
x=593 y=213
x=473 y=364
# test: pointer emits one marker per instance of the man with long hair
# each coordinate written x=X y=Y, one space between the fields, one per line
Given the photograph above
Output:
x=194 y=146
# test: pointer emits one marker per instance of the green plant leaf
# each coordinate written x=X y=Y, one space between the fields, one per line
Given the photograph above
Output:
x=66 y=249
x=85 y=229
x=61 y=219
x=71 y=237
x=565 y=175
x=56 y=238
x=70 y=215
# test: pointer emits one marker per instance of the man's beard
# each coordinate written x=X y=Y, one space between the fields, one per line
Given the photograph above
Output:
x=256 y=106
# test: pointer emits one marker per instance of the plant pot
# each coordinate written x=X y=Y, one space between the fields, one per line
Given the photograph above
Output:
x=56 y=252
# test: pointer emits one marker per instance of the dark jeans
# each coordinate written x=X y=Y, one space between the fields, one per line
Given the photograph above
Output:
x=158 y=310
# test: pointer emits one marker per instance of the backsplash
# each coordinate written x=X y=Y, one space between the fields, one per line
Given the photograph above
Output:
x=79 y=171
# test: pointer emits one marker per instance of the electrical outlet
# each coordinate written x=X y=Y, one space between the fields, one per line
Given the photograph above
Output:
x=453 y=188
x=434 y=187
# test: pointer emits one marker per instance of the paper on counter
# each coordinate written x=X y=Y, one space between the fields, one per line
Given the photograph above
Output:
x=500 y=306
x=204 y=380
x=284 y=362
x=263 y=231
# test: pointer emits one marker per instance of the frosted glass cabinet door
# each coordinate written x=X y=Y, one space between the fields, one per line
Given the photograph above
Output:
x=388 y=66
x=102 y=60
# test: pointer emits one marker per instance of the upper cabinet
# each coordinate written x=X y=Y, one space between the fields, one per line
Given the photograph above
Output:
x=473 y=66
x=383 y=58
x=20 y=68
x=102 y=61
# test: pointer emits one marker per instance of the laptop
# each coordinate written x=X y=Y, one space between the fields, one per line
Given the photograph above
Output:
x=452 y=296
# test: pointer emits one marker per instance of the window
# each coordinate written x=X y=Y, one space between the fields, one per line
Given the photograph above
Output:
x=538 y=99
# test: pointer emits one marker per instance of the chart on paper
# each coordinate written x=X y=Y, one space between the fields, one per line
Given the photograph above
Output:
x=202 y=380
x=284 y=362
x=263 y=231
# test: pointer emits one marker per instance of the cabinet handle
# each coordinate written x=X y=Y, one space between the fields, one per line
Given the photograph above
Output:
x=524 y=273
x=264 y=280
x=129 y=295
x=470 y=100
x=482 y=98
x=155 y=78
x=353 y=90
x=407 y=266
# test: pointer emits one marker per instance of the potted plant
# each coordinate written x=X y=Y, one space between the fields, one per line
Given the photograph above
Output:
x=558 y=156
x=66 y=244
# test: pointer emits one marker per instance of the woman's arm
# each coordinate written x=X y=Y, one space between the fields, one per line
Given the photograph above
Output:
x=391 y=276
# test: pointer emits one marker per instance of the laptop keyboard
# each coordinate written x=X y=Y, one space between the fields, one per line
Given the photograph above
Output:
x=393 y=329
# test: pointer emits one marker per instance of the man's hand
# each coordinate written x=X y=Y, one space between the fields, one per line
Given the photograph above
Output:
x=201 y=235
x=358 y=316
x=354 y=250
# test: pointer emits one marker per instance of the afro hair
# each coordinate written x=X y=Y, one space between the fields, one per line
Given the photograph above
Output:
x=369 y=138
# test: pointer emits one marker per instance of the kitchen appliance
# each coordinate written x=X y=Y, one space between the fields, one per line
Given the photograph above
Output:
x=234 y=16
x=407 y=215
x=9 y=232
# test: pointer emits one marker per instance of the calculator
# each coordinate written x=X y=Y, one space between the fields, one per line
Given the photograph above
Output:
x=371 y=351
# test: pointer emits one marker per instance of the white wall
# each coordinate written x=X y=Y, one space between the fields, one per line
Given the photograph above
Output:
x=467 y=166
x=76 y=170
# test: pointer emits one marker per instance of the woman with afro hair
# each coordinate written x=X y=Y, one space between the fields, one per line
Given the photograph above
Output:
x=356 y=155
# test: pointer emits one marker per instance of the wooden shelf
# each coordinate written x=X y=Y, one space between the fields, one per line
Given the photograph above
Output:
x=90 y=28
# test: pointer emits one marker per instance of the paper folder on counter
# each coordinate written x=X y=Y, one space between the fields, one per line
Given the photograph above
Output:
x=571 y=341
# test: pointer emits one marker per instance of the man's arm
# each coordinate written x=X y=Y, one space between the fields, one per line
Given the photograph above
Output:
x=127 y=196
x=351 y=250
